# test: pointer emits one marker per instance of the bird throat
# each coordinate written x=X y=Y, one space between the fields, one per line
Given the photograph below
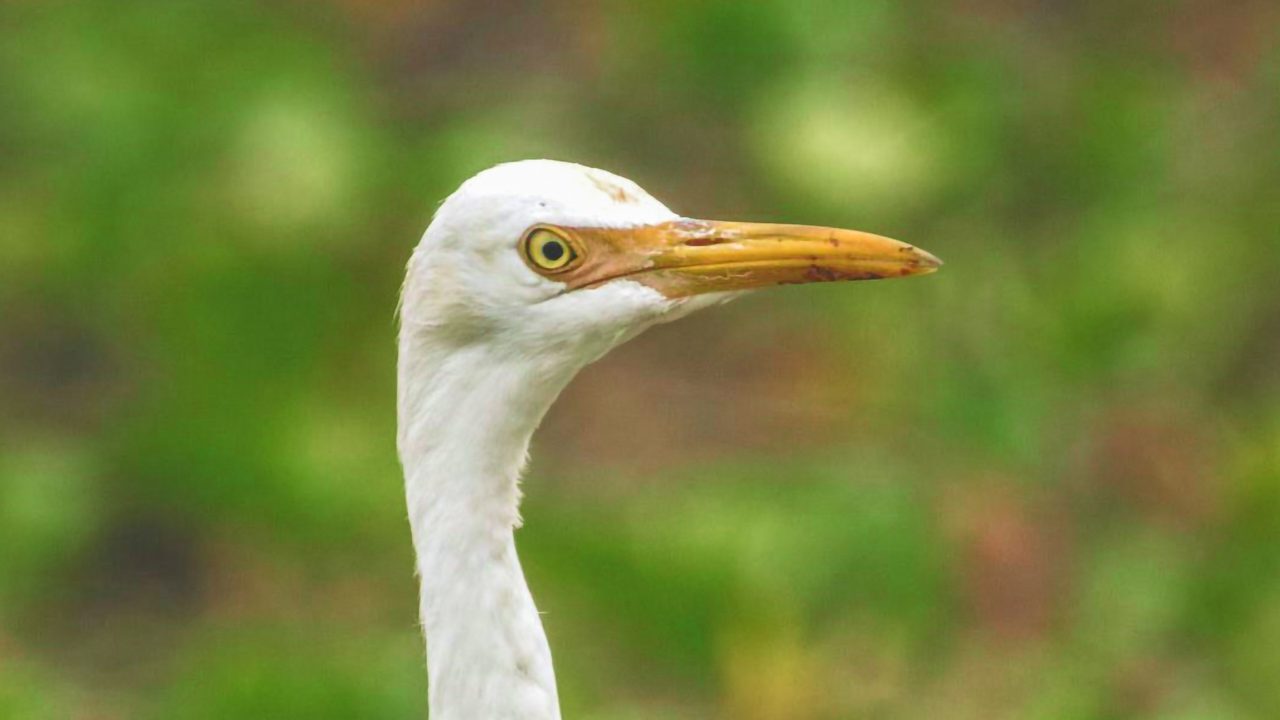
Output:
x=465 y=421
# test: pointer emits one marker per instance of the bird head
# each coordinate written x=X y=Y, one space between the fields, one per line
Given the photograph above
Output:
x=544 y=256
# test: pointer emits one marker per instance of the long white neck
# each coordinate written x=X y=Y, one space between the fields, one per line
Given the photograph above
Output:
x=466 y=418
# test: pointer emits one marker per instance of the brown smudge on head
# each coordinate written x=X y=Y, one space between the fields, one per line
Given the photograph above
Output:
x=615 y=192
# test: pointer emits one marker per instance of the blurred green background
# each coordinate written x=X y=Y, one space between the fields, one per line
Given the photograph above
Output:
x=1044 y=483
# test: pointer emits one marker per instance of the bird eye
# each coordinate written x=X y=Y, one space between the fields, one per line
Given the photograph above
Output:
x=548 y=250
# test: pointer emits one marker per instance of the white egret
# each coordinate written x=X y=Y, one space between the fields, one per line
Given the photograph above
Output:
x=528 y=272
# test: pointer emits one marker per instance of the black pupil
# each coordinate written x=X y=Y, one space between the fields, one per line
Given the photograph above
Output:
x=553 y=250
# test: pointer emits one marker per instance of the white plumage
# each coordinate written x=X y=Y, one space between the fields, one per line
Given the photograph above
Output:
x=496 y=319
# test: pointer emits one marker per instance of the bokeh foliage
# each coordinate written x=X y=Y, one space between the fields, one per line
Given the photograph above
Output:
x=1044 y=483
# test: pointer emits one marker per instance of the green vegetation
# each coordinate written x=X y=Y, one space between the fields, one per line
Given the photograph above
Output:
x=1043 y=483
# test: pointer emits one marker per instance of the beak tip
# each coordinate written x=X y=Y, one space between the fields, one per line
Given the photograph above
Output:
x=927 y=261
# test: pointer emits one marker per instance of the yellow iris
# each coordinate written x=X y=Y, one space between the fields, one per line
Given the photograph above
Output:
x=548 y=250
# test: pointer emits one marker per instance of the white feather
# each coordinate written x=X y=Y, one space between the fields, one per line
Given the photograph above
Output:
x=485 y=347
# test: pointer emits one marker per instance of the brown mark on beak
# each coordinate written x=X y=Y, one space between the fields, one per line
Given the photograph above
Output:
x=690 y=257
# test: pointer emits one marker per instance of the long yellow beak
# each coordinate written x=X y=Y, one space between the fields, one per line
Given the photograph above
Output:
x=690 y=257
